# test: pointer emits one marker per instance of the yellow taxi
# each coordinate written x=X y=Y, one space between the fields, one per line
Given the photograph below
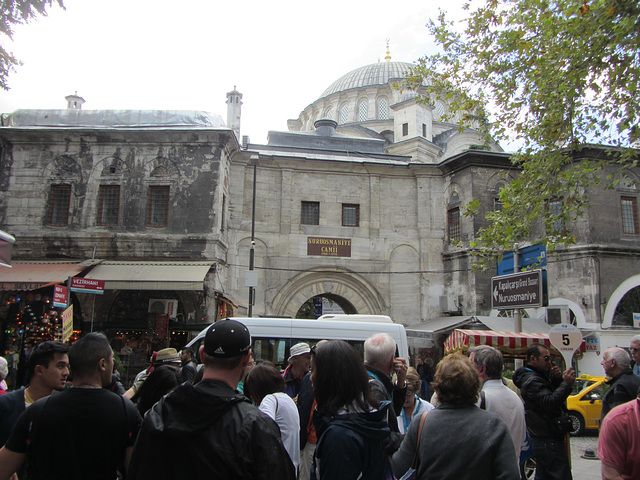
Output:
x=585 y=403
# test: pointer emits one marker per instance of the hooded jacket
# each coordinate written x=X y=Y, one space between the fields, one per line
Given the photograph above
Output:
x=208 y=430
x=350 y=446
x=544 y=400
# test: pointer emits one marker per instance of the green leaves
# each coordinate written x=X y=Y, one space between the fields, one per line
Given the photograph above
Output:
x=17 y=12
x=557 y=74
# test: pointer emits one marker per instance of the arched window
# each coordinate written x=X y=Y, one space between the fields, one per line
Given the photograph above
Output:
x=328 y=113
x=362 y=111
x=344 y=113
x=383 y=112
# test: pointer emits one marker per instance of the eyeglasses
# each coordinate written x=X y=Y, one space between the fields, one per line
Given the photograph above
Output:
x=634 y=349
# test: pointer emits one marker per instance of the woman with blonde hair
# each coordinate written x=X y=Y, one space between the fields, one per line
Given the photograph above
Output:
x=458 y=439
x=413 y=406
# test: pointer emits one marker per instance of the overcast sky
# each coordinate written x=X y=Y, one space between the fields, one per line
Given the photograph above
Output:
x=161 y=55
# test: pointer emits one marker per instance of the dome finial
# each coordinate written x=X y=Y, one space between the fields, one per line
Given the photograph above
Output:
x=388 y=57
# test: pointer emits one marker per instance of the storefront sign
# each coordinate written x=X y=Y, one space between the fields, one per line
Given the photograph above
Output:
x=20 y=286
x=329 y=247
x=67 y=323
x=60 y=296
x=592 y=344
x=636 y=320
x=87 y=285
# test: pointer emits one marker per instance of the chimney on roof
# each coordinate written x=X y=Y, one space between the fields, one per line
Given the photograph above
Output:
x=234 y=107
x=74 y=102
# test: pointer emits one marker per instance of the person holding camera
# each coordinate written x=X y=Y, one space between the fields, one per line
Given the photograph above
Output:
x=544 y=390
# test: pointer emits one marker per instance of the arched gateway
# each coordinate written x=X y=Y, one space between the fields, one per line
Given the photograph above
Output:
x=353 y=287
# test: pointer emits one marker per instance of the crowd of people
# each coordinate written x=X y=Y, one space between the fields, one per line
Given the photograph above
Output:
x=332 y=414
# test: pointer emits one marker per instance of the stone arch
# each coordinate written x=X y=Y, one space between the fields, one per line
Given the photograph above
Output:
x=63 y=167
x=497 y=180
x=616 y=297
x=328 y=281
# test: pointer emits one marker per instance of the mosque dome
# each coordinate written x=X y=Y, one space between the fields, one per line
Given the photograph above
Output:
x=369 y=75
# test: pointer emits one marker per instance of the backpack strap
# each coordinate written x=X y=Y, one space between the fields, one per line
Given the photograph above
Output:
x=483 y=400
x=414 y=463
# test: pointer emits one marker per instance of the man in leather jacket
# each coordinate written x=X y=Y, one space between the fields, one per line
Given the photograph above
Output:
x=623 y=383
x=209 y=430
x=544 y=390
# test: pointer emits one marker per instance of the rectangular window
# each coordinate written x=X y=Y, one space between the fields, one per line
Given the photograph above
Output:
x=497 y=205
x=453 y=223
x=556 y=207
x=629 y=207
x=59 y=201
x=405 y=129
x=158 y=208
x=222 y=215
x=350 y=215
x=108 y=204
x=424 y=130
x=310 y=213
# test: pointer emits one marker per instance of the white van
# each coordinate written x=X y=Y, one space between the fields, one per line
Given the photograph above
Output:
x=273 y=337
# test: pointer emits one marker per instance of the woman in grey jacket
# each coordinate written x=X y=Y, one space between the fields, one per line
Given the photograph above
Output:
x=458 y=439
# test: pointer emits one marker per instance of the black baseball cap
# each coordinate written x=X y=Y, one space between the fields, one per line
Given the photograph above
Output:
x=227 y=338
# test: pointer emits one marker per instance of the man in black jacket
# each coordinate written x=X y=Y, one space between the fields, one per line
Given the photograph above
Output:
x=544 y=390
x=623 y=384
x=208 y=430
x=380 y=361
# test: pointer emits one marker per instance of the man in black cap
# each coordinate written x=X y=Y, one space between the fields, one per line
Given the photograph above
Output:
x=208 y=429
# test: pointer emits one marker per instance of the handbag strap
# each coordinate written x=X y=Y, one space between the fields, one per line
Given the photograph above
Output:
x=414 y=463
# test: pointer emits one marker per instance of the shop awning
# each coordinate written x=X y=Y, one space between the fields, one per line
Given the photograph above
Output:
x=151 y=275
x=461 y=340
x=425 y=335
x=24 y=276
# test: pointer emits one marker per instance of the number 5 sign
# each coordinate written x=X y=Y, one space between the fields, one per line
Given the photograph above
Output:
x=567 y=339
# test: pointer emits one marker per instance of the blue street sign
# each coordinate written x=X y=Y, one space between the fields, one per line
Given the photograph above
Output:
x=533 y=255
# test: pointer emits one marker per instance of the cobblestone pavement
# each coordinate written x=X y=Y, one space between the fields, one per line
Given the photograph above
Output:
x=582 y=468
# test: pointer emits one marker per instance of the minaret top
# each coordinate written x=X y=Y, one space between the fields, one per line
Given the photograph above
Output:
x=74 y=102
x=388 y=57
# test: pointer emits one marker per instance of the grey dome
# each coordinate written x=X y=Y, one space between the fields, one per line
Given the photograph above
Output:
x=374 y=74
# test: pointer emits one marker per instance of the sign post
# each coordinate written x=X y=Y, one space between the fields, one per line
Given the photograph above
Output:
x=567 y=339
x=518 y=290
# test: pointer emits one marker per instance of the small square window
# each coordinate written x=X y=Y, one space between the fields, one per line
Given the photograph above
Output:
x=453 y=223
x=405 y=129
x=59 y=201
x=158 y=208
x=629 y=210
x=310 y=214
x=350 y=215
x=108 y=204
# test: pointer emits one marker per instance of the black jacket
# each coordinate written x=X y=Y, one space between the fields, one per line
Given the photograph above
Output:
x=622 y=389
x=350 y=446
x=544 y=400
x=208 y=430
x=305 y=406
x=384 y=391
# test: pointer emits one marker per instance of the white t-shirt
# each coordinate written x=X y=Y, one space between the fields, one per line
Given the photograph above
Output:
x=282 y=409
x=506 y=403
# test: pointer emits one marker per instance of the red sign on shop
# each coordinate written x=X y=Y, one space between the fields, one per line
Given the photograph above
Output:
x=87 y=285
x=60 y=296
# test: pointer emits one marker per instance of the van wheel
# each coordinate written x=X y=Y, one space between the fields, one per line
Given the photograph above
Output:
x=577 y=424
x=528 y=469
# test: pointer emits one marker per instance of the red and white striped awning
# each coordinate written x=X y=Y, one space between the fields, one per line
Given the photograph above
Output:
x=461 y=340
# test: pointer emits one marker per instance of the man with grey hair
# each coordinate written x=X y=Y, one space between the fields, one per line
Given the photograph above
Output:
x=380 y=361
x=634 y=348
x=623 y=384
x=498 y=398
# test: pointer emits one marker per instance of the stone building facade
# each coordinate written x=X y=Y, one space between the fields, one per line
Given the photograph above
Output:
x=360 y=203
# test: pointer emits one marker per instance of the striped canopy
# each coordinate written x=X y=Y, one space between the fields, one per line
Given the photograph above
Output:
x=512 y=342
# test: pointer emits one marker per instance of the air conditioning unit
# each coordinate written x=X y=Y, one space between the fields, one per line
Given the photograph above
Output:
x=448 y=304
x=163 y=306
x=557 y=314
